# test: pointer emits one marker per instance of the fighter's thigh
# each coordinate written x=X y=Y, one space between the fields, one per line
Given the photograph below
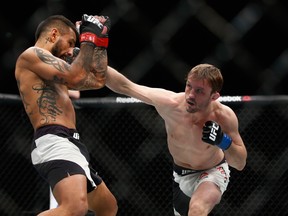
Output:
x=72 y=189
x=101 y=199
x=207 y=194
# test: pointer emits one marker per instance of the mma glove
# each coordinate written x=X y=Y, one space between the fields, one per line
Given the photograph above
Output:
x=95 y=30
x=70 y=59
x=212 y=134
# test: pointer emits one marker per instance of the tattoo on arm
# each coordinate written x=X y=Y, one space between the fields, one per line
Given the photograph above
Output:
x=95 y=68
x=100 y=59
x=55 y=62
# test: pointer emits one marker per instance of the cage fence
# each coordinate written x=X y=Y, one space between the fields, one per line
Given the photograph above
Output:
x=127 y=143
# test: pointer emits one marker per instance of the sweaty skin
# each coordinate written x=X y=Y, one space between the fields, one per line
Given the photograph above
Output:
x=44 y=81
x=185 y=114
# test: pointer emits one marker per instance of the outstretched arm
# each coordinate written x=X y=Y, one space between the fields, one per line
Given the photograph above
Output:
x=118 y=83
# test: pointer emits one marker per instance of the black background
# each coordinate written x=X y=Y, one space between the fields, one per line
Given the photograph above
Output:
x=157 y=43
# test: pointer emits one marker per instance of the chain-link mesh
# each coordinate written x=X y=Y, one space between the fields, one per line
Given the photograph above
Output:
x=128 y=147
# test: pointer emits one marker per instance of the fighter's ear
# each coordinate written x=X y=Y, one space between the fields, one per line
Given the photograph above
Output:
x=215 y=96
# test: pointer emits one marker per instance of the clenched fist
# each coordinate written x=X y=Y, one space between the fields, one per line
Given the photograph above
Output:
x=212 y=134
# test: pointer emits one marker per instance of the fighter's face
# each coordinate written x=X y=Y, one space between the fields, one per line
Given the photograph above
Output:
x=197 y=95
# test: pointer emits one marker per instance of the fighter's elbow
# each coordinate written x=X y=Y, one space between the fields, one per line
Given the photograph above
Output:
x=239 y=165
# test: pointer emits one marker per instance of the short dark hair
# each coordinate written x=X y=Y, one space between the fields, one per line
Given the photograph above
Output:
x=58 y=21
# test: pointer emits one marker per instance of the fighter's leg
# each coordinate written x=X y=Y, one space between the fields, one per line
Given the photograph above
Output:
x=102 y=201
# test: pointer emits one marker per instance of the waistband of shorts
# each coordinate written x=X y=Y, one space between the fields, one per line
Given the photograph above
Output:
x=182 y=171
x=54 y=129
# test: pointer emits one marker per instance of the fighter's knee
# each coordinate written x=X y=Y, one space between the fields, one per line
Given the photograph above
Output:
x=104 y=205
x=75 y=209
x=81 y=206
x=112 y=206
x=197 y=209
x=80 y=209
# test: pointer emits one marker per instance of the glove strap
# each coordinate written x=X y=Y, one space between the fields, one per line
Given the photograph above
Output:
x=90 y=37
x=225 y=142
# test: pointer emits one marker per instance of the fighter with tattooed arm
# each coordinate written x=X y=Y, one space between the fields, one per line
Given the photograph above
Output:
x=44 y=80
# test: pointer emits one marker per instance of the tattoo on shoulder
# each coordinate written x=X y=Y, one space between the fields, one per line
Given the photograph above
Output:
x=52 y=60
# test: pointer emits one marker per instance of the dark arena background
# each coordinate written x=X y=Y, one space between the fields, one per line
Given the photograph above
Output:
x=156 y=44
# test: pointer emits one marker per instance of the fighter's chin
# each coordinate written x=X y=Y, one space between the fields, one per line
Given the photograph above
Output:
x=191 y=109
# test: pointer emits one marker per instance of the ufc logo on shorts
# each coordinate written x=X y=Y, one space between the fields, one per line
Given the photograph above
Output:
x=213 y=132
x=76 y=136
